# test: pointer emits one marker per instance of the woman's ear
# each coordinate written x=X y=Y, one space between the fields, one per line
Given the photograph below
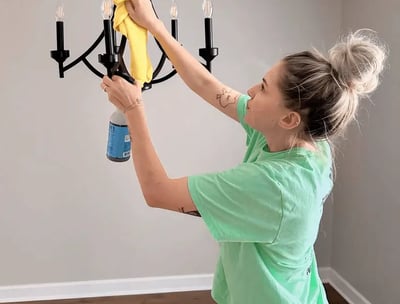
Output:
x=290 y=121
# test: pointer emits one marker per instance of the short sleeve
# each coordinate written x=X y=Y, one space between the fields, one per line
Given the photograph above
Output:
x=241 y=112
x=242 y=204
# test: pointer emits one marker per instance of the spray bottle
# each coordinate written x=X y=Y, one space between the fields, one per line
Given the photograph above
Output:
x=119 y=141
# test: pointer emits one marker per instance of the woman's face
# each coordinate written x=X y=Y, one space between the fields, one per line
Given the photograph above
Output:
x=266 y=109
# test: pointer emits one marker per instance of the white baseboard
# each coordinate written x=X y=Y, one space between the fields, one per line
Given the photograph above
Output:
x=104 y=288
x=348 y=292
x=150 y=285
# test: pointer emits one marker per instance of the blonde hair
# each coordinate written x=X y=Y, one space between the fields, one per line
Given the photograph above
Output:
x=326 y=90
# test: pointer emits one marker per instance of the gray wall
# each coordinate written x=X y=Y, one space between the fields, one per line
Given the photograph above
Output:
x=366 y=248
x=69 y=214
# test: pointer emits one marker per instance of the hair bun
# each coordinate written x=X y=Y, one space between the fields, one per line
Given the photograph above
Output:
x=358 y=60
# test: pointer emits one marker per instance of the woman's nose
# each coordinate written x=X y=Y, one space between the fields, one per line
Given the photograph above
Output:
x=250 y=92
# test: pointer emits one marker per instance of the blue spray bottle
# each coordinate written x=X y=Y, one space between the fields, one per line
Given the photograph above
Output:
x=119 y=141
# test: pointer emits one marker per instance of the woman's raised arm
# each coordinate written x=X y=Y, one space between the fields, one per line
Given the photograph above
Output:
x=192 y=72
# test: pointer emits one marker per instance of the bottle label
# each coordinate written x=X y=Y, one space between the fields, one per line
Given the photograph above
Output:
x=119 y=142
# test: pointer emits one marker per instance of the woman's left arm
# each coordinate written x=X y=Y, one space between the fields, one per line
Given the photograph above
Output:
x=158 y=189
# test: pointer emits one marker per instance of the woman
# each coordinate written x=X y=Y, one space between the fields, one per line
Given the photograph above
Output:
x=265 y=213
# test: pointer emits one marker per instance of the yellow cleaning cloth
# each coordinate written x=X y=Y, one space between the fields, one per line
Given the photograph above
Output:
x=141 y=68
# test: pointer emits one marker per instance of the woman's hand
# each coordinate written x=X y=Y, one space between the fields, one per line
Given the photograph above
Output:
x=124 y=95
x=141 y=11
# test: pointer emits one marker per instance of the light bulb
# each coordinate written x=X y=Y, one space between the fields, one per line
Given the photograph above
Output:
x=107 y=9
x=60 y=13
x=207 y=8
x=174 y=10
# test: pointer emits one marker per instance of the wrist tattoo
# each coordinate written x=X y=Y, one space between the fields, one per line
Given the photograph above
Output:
x=193 y=213
x=225 y=98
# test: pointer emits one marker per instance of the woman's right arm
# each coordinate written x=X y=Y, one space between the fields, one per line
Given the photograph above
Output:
x=193 y=73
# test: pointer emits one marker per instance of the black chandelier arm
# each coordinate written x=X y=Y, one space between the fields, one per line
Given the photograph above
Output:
x=163 y=55
x=121 y=63
x=159 y=45
x=85 y=54
x=160 y=65
x=122 y=44
x=92 y=68
x=207 y=65
x=166 y=77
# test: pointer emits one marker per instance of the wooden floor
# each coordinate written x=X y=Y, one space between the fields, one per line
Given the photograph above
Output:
x=333 y=296
x=192 y=297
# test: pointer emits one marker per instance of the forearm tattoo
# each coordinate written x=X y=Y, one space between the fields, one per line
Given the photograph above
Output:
x=193 y=213
x=225 y=98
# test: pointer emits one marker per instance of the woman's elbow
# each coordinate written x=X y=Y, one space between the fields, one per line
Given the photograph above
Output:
x=151 y=199
x=157 y=195
x=148 y=199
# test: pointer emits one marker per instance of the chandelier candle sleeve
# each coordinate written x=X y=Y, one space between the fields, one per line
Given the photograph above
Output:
x=108 y=35
x=108 y=30
x=209 y=33
x=174 y=19
x=60 y=27
x=60 y=54
x=208 y=10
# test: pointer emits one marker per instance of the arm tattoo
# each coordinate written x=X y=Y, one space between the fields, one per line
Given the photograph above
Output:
x=225 y=98
x=194 y=212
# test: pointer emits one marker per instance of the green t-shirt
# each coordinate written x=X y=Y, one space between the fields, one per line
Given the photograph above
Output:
x=265 y=214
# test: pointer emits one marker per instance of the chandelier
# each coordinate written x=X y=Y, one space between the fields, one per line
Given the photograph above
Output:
x=112 y=59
